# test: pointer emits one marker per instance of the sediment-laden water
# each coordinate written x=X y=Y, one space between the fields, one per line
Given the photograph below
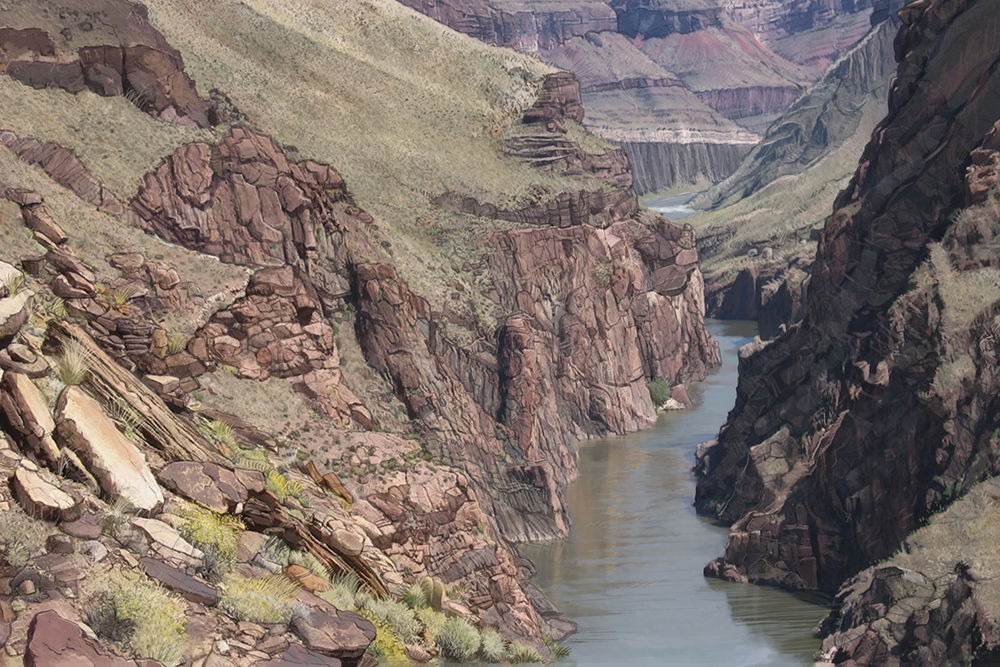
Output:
x=630 y=572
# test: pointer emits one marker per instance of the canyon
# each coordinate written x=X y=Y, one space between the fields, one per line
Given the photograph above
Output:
x=648 y=69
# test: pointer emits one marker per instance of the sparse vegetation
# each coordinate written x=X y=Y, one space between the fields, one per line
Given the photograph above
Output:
x=458 y=640
x=72 y=365
x=344 y=591
x=22 y=536
x=128 y=607
x=14 y=284
x=176 y=343
x=258 y=599
x=116 y=517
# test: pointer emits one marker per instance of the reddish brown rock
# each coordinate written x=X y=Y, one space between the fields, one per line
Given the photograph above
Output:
x=180 y=582
x=52 y=640
x=217 y=488
x=340 y=634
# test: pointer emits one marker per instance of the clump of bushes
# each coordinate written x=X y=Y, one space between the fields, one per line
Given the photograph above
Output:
x=432 y=621
x=72 y=365
x=493 y=648
x=266 y=600
x=395 y=615
x=659 y=391
x=387 y=644
x=129 y=608
x=414 y=597
x=217 y=535
x=344 y=591
x=458 y=640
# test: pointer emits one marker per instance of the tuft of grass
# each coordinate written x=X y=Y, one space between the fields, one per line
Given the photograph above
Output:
x=210 y=531
x=50 y=307
x=126 y=418
x=458 y=640
x=344 y=593
x=15 y=283
x=659 y=391
x=414 y=597
x=494 y=648
x=265 y=600
x=177 y=343
x=118 y=298
x=220 y=433
x=117 y=516
x=557 y=650
x=519 y=652
x=72 y=365
x=396 y=616
x=282 y=487
x=128 y=607
x=310 y=562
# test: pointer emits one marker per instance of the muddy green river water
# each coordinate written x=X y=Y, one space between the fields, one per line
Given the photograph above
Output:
x=630 y=573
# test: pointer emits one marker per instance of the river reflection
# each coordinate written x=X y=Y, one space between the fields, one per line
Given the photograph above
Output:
x=630 y=573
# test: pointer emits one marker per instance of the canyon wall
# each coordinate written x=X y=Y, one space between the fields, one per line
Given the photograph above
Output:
x=877 y=410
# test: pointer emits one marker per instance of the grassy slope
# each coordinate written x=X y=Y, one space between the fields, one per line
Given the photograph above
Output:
x=785 y=211
x=405 y=108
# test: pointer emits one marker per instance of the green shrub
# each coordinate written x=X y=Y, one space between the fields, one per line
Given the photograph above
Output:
x=432 y=621
x=520 y=652
x=210 y=531
x=282 y=487
x=494 y=648
x=128 y=607
x=414 y=597
x=265 y=600
x=458 y=640
x=387 y=644
x=396 y=616
x=659 y=391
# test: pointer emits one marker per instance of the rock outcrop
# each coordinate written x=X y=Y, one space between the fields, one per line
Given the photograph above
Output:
x=853 y=427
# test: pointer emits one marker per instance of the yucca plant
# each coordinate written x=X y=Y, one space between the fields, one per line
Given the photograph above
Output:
x=15 y=283
x=176 y=343
x=72 y=365
x=50 y=307
x=414 y=597
x=118 y=298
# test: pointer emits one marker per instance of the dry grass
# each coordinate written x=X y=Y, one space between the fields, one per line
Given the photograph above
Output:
x=94 y=235
x=968 y=531
x=84 y=122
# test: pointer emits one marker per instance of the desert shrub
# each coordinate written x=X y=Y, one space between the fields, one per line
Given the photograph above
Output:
x=494 y=648
x=557 y=650
x=126 y=418
x=396 y=616
x=220 y=433
x=520 y=652
x=387 y=644
x=659 y=391
x=177 y=343
x=265 y=600
x=458 y=640
x=128 y=607
x=281 y=486
x=72 y=365
x=432 y=621
x=49 y=307
x=117 y=516
x=210 y=531
x=414 y=597
x=344 y=591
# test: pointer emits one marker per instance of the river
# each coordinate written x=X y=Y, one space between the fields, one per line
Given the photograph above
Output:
x=674 y=207
x=630 y=572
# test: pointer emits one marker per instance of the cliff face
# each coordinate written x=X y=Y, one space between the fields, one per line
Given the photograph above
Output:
x=853 y=427
x=651 y=80
x=265 y=348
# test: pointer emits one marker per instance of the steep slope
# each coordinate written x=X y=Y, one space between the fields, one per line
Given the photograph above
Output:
x=853 y=427
x=396 y=356
x=650 y=80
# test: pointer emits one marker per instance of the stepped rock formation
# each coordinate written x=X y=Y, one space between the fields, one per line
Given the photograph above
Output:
x=649 y=69
x=854 y=427
x=252 y=344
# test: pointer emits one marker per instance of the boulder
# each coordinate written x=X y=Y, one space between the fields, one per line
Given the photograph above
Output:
x=14 y=313
x=27 y=413
x=23 y=359
x=119 y=466
x=323 y=628
x=52 y=640
x=216 y=487
x=167 y=537
x=39 y=497
x=306 y=579
x=87 y=527
x=181 y=583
